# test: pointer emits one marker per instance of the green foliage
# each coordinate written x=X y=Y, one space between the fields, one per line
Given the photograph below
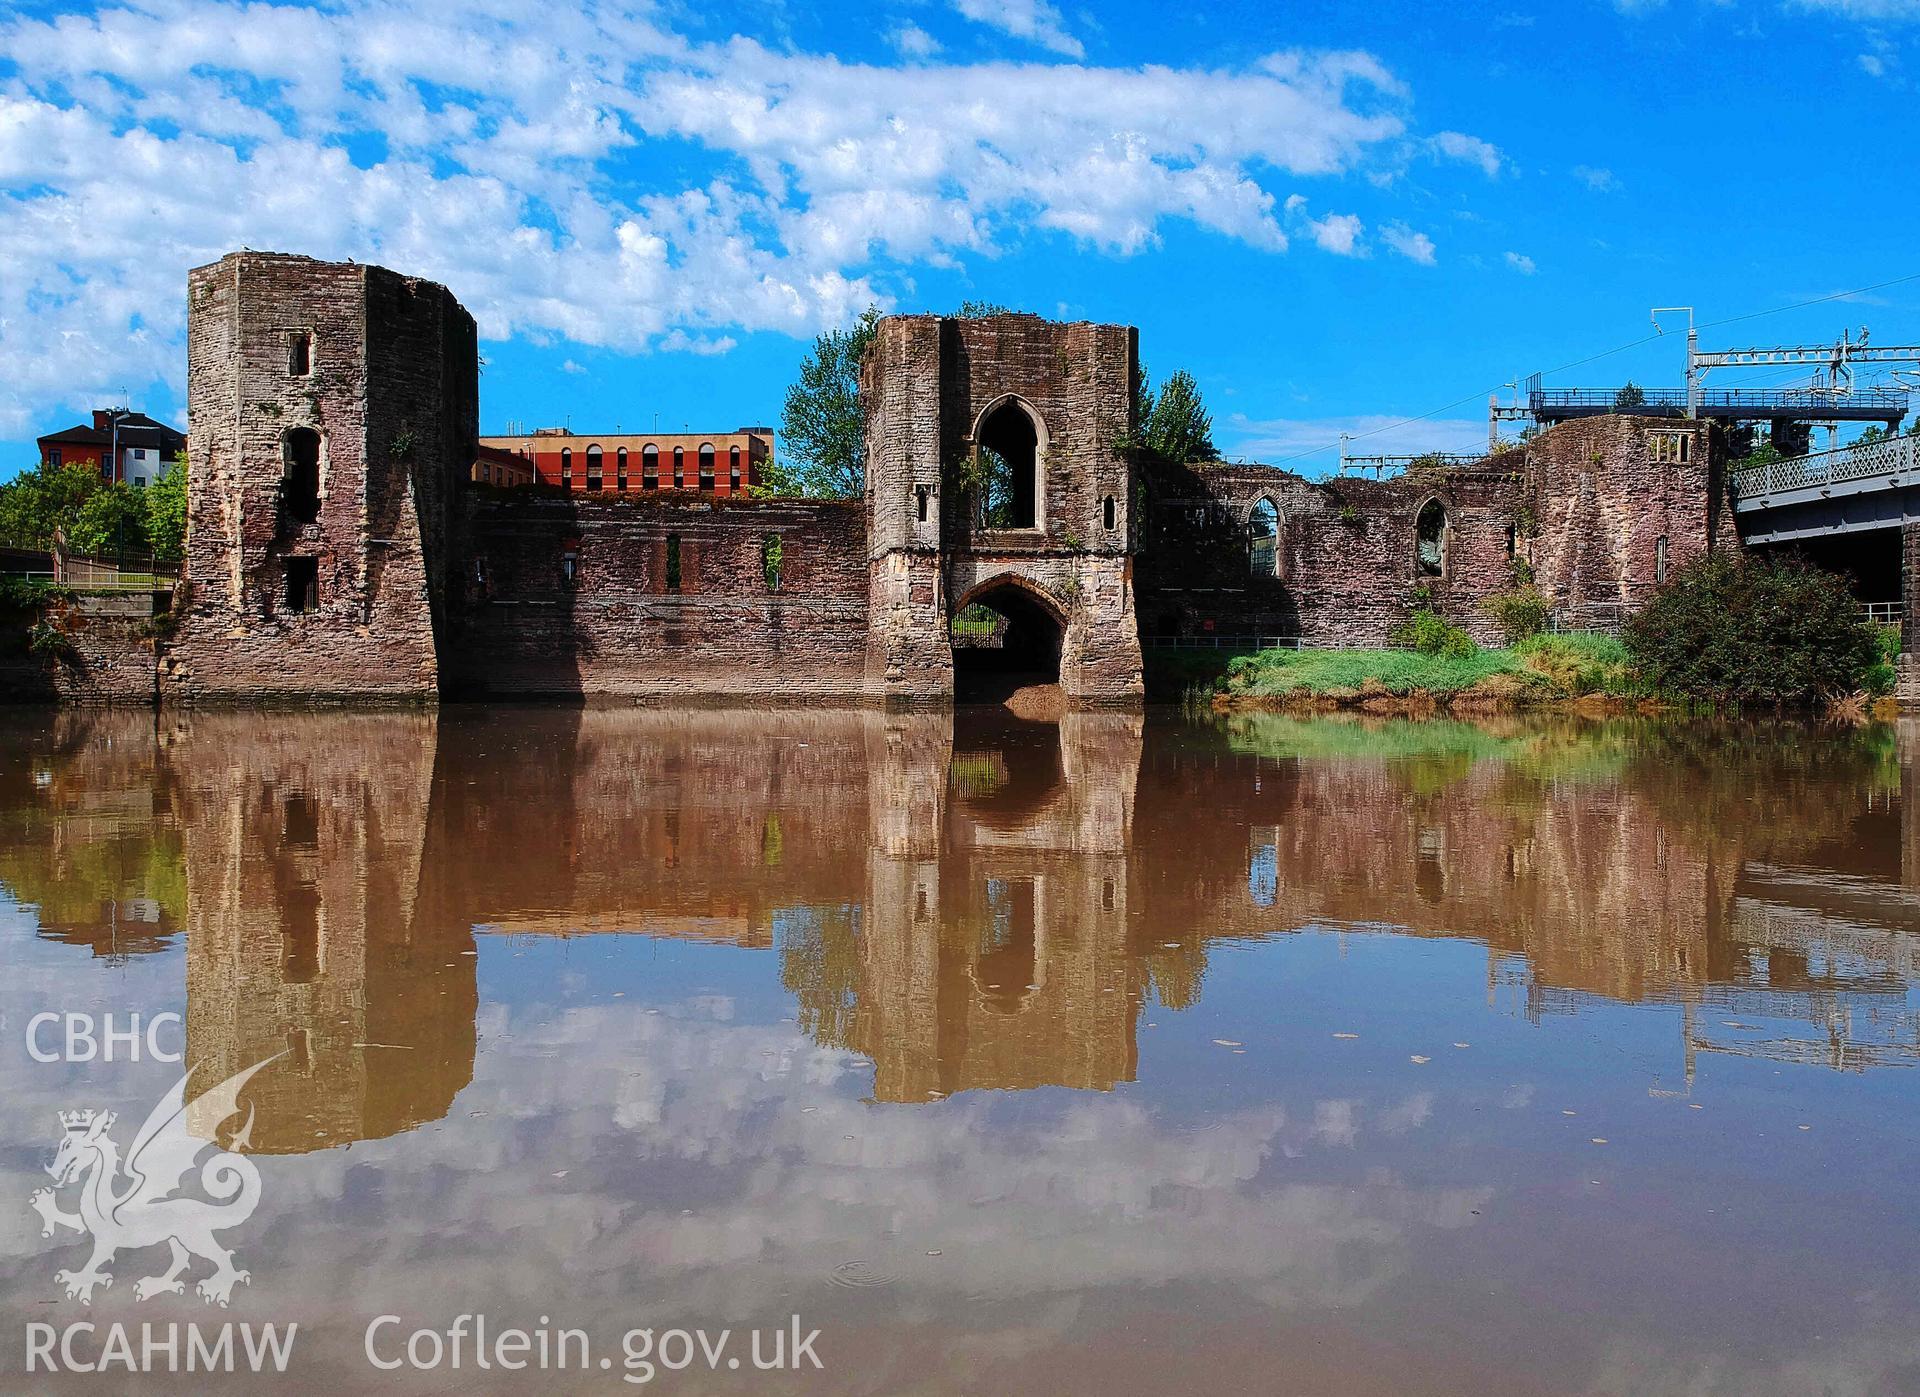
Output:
x=1729 y=629
x=167 y=512
x=1429 y=633
x=1522 y=610
x=822 y=425
x=1879 y=676
x=1275 y=673
x=48 y=497
x=112 y=522
x=1578 y=663
x=19 y=594
x=1630 y=398
x=980 y=310
x=772 y=550
x=1174 y=424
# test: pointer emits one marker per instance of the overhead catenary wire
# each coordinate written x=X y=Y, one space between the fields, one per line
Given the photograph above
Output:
x=1482 y=393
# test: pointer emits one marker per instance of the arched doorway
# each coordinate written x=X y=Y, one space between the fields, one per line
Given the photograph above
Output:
x=1006 y=637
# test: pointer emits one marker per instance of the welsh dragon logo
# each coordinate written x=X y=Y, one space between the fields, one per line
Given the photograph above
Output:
x=142 y=1211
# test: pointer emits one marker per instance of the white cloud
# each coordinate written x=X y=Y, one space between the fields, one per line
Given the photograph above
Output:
x=914 y=42
x=1873 y=65
x=1597 y=178
x=1415 y=247
x=1034 y=20
x=1338 y=233
x=137 y=143
x=1521 y=263
x=1470 y=150
x=1866 y=9
x=572 y=366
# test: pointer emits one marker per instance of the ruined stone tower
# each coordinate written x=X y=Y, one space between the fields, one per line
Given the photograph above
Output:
x=996 y=474
x=332 y=407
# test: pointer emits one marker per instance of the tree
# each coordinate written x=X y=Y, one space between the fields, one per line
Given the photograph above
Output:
x=1174 y=423
x=1630 y=398
x=822 y=424
x=112 y=523
x=167 y=512
x=48 y=497
x=980 y=310
x=1753 y=629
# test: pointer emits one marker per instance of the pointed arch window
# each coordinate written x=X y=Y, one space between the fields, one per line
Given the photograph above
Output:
x=1431 y=534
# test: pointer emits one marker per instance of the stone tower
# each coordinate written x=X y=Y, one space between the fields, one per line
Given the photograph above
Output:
x=996 y=474
x=332 y=407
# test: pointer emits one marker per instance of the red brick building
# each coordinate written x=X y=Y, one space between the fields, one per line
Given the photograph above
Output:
x=139 y=449
x=493 y=466
x=715 y=463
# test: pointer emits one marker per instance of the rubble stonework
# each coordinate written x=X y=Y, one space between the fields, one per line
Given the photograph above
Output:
x=931 y=384
x=388 y=382
x=1584 y=507
x=425 y=584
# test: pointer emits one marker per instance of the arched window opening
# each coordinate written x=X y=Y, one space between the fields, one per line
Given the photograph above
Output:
x=706 y=466
x=1108 y=513
x=733 y=468
x=649 y=467
x=1263 y=540
x=679 y=468
x=1430 y=533
x=566 y=466
x=1008 y=445
x=300 y=483
x=673 y=560
x=772 y=555
x=593 y=467
x=620 y=467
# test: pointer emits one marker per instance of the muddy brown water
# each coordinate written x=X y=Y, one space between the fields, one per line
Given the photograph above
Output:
x=1104 y=1055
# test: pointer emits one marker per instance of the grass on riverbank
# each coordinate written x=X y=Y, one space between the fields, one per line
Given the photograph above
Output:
x=1542 y=669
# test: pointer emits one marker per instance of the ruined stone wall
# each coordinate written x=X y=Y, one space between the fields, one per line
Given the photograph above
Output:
x=100 y=652
x=619 y=626
x=390 y=387
x=1585 y=506
x=930 y=384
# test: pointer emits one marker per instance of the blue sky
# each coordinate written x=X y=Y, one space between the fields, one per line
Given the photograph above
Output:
x=1337 y=216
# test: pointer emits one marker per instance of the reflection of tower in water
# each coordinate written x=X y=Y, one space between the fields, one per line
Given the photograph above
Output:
x=994 y=947
x=304 y=843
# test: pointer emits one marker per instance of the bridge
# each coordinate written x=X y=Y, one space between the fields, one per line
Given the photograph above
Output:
x=1850 y=489
x=1884 y=405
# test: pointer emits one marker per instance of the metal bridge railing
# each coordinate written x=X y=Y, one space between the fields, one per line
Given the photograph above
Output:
x=1655 y=400
x=1885 y=613
x=1861 y=461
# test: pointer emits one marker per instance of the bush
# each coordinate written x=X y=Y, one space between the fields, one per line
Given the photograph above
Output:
x=1520 y=612
x=1880 y=675
x=1732 y=629
x=1430 y=633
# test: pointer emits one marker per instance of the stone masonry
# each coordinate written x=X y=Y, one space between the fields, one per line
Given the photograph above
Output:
x=338 y=550
x=332 y=409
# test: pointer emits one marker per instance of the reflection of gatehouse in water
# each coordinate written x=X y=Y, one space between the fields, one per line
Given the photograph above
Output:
x=979 y=903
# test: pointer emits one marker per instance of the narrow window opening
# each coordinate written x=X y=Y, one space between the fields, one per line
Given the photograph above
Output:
x=1513 y=540
x=733 y=468
x=300 y=487
x=649 y=468
x=772 y=554
x=1263 y=540
x=706 y=467
x=1660 y=559
x=1107 y=513
x=673 y=561
x=570 y=568
x=1430 y=540
x=620 y=467
x=566 y=466
x=303 y=585
x=679 y=468
x=920 y=502
x=300 y=353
